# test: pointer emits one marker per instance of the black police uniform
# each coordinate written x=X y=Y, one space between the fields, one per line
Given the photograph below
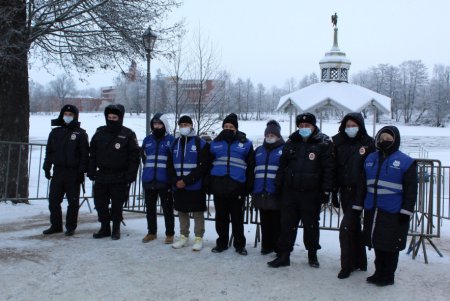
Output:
x=305 y=174
x=113 y=165
x=67 y=152
x=350 y=154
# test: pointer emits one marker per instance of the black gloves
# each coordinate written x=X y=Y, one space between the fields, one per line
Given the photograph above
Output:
x=403 y=218
x=325 y=198
x=47 y=174
x=335 y=199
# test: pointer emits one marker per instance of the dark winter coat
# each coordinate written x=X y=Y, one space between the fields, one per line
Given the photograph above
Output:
x=67 y=146
x=305 y=166
x=189 y=200
x=225 y=186
x=114 y=155
x=267 y=197
x=384 y=230
x=350 y=153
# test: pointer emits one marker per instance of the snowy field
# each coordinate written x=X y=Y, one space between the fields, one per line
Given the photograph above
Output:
x=34 y=267
x=38 y=267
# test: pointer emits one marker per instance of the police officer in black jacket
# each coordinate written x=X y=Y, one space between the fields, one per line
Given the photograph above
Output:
x=67 y=151
x=113 y=165
x=351 y=146
x=305 y=178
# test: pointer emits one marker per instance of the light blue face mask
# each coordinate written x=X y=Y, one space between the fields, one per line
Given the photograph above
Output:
x=185 y=131
x=352 y=132
x=305 y=132
x=67 y=119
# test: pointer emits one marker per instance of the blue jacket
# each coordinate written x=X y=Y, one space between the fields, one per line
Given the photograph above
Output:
x=230 y=159
x=267 y=163
x=156 y=153
x=386 y=181
x=185 y=159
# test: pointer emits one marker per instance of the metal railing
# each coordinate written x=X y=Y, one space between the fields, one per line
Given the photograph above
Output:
x=432 y=206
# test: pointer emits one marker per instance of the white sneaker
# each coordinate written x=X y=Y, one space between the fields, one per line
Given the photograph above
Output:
x=183 y=242
x=198 y=244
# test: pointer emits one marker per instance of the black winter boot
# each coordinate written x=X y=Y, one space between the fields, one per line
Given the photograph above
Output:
x=52 y=230
x=116 y=231
x=312 y=259
x=105 y=231
x=281 y=261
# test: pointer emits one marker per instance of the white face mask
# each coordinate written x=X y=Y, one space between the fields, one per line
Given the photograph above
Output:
x=352 y=132
x=185 y=131
x=67 y=119
x=271 y=140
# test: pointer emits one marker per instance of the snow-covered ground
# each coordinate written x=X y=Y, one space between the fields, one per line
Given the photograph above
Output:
x=37 y=267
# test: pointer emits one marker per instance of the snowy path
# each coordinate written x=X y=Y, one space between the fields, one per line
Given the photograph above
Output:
x=34 y=267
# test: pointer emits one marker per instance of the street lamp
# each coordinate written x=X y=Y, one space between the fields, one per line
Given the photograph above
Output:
x=148 y=39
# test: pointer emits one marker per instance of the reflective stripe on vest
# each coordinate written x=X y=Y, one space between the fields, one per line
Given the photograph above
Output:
x=267 y=163
x=155 y=167
x=230 y=160
x=185 y=160
x=389 y=184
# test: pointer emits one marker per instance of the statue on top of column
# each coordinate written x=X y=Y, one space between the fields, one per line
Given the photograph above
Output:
x=334 y=19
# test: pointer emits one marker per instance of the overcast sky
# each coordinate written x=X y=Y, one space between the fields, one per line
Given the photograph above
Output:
x=272 y=41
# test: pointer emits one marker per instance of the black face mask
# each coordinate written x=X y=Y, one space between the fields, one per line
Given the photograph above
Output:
x=113 y=126
x=385 y=145
x=159 y=132
x=227 y=134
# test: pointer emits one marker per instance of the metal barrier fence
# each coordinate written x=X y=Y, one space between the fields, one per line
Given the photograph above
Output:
x=432 y=206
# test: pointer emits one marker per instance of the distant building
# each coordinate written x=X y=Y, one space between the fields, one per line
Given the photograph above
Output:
x=108 y=93
x=84 y=104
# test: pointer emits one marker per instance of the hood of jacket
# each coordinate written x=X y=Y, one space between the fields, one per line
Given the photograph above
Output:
x=66 y=108
x=356 y=117
x=116 y=109
x=394 y=132
x=163 y=118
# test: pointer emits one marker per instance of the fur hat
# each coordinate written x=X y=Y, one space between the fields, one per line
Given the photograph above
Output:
x=306 y=117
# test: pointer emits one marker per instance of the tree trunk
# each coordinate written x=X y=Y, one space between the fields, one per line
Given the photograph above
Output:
x=14 y=105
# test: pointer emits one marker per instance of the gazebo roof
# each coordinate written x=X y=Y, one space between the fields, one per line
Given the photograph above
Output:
x=342 y=95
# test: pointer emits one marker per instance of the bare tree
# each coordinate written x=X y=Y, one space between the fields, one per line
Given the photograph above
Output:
x=81 y=33
x=261 y=95
x=38 y=97
x=207 y=83
x=439 y=104
x=413 y=79
x=249 y=89
x=62 y=86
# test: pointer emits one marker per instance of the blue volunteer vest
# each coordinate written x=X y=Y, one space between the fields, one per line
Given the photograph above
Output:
x=389 y=184
x=267 y=163
x=230 y=159
x=155 y=167
x=185 y=159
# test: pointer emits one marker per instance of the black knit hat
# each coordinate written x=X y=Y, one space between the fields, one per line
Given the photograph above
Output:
x=306 y=117
x=232 y=118
x=185 y=119
x=273 y=127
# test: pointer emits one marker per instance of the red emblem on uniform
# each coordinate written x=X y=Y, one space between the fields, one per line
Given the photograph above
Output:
x=362 y=150
x=312 y=156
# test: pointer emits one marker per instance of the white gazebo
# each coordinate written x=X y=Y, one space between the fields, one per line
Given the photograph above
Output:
x=334 y=91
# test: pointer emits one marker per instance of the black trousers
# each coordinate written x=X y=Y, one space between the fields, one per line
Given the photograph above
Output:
x=353 y=251
x=386 y=264
x=270 y=229
x=307 y=210
x=64 y=182
x=165 y=196
x=104 y=194
x=227 y=208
